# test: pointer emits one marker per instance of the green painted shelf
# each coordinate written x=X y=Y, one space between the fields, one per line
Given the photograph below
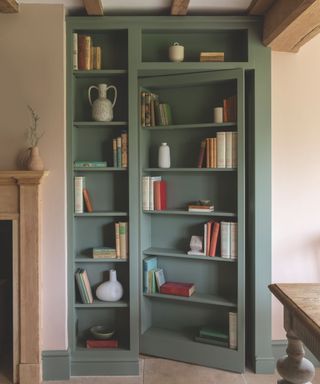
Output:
x=103 y=124
x=100 y=73
x=99 y=169
x=164 y=67
x=103 y=304
x=91 y=260
x=197 y=298
x=187 y=213
x=191 y=170
x=176 y=253
x=192 y=126
x=101 y=214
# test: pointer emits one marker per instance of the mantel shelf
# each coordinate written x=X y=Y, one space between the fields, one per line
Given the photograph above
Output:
x=187 y=213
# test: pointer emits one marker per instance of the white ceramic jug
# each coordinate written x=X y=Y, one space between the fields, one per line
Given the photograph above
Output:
x=110 y=290
x=102 y=108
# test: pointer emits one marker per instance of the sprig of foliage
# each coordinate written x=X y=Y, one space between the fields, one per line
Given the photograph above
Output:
x=33 y=133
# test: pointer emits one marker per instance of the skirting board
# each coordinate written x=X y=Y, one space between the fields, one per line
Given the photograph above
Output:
x=279 y=349
x=56 y=365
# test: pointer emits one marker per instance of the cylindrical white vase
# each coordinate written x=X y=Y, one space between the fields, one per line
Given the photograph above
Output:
x=218 y=115
x=164 y=156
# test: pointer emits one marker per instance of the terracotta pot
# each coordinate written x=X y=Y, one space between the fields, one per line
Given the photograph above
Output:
x=35 y=162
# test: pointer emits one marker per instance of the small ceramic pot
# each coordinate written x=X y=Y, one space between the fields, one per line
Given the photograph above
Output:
x=176 y=52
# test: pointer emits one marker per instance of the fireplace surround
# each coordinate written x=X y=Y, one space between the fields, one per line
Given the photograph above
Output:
x=20 y=202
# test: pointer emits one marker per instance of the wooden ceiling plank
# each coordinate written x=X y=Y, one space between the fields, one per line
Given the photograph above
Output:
x=259 y=7
x=94 y=7
x=179 y=7
x=290 y=24
x=9 y=6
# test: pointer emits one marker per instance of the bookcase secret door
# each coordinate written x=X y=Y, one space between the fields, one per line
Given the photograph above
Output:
x=206 y=327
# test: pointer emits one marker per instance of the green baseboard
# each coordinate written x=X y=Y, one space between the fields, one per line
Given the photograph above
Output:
x=279 y=349
x=105 y=368
x=56 y=365
x=264 y=365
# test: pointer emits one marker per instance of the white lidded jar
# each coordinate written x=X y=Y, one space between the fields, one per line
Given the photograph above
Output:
x=164 y=156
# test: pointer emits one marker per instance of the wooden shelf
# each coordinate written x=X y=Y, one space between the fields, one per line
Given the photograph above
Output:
x=103 y=124
x=99 y=169
x=176 y=253
x=190 y=170
x=103 y=304
x=101 y=214
x=187 y=213
x=100 y=73
x=192 y=126
x=197 y=298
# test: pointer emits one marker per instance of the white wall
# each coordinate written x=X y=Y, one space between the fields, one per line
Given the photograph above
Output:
x=295 y=169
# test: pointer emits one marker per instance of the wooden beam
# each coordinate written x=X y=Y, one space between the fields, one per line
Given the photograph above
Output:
x=289 y=24
x=259 y=7
x=179 y=7
x=93 y=7
x=9 y=6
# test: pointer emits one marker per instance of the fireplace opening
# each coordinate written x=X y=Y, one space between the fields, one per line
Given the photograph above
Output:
x=6 y=302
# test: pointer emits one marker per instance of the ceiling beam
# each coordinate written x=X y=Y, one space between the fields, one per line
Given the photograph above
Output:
x=9 y=6
x=259 y=7
x=179 y=7
x=289 y=24
x=93 y=7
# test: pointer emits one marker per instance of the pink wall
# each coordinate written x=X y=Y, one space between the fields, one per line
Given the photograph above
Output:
x=32 y=71
x=295 y=169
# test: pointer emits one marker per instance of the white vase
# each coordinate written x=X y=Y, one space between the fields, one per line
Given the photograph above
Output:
x=110 y=290
x=164 y=156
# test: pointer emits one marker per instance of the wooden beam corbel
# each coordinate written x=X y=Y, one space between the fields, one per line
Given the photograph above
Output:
x=259 y=7
x=179 y=7
x=93 y=7
x=288 y=24
x=9 y=6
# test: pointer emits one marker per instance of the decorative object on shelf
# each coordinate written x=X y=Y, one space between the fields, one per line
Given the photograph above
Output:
x=211 y=57
x=164 y=156
x=102 y=108
x=218 y=115
x=176 y=52
x=196 y=244
x=34 y=161
x=100 y=332
x=110 y=290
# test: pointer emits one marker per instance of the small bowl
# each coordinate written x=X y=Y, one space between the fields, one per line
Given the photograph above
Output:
x=101 y=332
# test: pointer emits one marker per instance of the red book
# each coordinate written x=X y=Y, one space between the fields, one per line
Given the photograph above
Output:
x=157 y=195
x=92 y=343
x=225 y=110
x=214 y=239
x=178 y=289
x=201 y=153
x=209 y=228
x=163 y=195
x=87 y=200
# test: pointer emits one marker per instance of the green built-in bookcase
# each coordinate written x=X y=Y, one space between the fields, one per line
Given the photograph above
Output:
x=135 y=58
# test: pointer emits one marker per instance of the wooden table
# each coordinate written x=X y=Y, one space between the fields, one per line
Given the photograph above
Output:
x=301 y=304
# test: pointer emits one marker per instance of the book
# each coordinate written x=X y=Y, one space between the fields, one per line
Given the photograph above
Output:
x=177 y=289
x=117 y=239
x=94 y=343
x=225 y=239
x=221 y=149
x=214 y=239
x=75 y=51
x=81 y=287
x=233 y=334
x=213 y=334
x=96 y=59
x=85 y=278
x=200 y=208
x=160 y=278
x=143 y=109
x=152 y=179
x=104 y=253
x=90 y=164
x=84 y=52
x=234 y=150
x=87 y=200
x=84 y=286
x=204 y=340
x=160 y=195
x=201 y=153
x=233 y=240
x=209 y=225
x=214 y=152
x=78 y=193
x=124 y=149
x=119 y=152
x=152 y=285
x=211 y=56
x=123 y=233
x=149 y=264
x=207 y=152
x=145 y=193
x=114 y=153
x=228 y=150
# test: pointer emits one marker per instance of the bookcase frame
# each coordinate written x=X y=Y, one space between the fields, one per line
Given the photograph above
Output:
x=254 y=60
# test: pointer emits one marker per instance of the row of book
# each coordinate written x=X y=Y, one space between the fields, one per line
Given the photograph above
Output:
x=154 y=280
x=220 y=151
x=153 y=112
x=230 y=109
x=85 y=55
x=82 y=200
x=214 y=336
x=84 y=286
x=154 y=193
x=120 y=150
x=108 y=343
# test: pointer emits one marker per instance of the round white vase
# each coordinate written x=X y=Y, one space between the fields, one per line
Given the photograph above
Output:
x=110 y=290
x=164 y=156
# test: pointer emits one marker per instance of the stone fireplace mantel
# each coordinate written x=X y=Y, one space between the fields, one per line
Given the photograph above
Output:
x=20 y=201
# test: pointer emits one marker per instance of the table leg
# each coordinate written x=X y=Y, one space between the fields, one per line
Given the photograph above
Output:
x=295 y=368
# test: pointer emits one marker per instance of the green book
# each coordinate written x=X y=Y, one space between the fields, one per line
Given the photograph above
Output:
x=213 y=333
x=90 y=164
x=204 y=340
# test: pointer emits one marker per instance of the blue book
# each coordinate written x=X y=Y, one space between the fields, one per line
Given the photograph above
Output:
x=149 y=264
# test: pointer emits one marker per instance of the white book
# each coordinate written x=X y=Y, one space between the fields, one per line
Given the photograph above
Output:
x=228 y=149
x=221 y=149
x=75 y=51
x=233 y=334
x=78 y=194
x=234 y=150
x=145 y=192
x=233 y=240
x=225 y=239
x=151 y=191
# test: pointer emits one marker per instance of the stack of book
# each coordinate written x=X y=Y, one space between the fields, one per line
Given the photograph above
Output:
x=82 y=198
x=84 y=286
x=104 y=253
x=219 y=152
x=90 y=164
x=109 y=343
x=85 y=55
x=200 y=208
x=122 y=240
x=230 y=109
x=210 y=239
x=153 y=112
x=211 y=56
x=120 y=150
x=210 y=335
x=154 y=193
x=229 y=239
